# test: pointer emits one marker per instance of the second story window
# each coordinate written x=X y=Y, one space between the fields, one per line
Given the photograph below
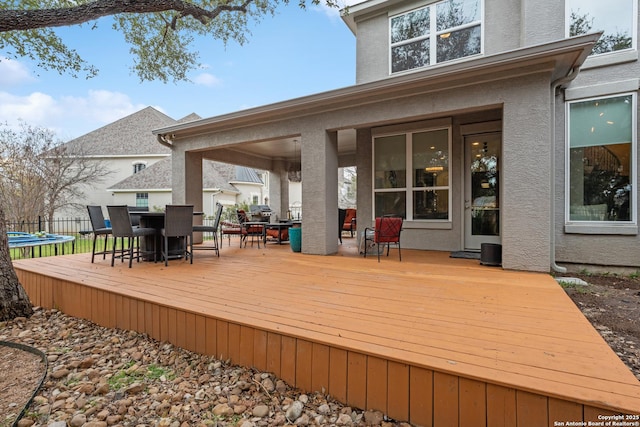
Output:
x=616 y=18
x=439 y=32
x=138 y=166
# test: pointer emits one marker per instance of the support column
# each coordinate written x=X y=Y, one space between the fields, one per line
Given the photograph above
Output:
x=186 y=183
x=319 y=150
x=364 y=151
x=278 y=190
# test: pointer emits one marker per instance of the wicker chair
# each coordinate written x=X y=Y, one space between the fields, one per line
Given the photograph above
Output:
x=121 y=228
x=210 y=229
x=387 y=231
x=99 y=229
x=178 y=223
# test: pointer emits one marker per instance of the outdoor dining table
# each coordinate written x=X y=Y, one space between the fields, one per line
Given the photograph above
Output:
x=155 y=220
x=279 y=226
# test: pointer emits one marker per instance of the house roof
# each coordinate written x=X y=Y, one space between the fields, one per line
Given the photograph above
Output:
x=215 y=175
x=116 y=139
x=558 y=58
x=248 y=175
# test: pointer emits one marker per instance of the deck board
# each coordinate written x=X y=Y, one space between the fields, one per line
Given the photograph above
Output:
x=429 y=319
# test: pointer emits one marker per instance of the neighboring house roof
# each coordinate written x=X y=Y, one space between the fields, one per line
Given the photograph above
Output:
x=191 y=117
x=247 y=175
x=215 y=176
x=130 y=135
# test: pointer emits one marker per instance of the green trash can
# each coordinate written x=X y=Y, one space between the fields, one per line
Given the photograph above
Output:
x=295 y=238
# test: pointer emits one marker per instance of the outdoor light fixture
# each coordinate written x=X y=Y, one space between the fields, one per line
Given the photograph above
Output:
x=294 y=172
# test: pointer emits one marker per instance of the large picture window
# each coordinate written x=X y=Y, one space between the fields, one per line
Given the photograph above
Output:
x=601 y=159
x=411 y=177
x=437 y=33
x=616 y=18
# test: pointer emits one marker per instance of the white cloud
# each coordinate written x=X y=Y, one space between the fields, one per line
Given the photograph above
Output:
x=13 y=73
x=207 y=79
x=69 y=116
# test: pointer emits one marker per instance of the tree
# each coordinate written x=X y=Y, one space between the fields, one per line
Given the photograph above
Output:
x=14 y=301
x=39 y=175
x=159 y=33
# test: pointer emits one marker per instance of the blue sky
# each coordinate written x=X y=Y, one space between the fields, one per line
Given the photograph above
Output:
x=296 y=53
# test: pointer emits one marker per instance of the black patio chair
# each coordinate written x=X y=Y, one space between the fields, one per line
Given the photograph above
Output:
x=342 y=214
x=99 y=229
x=121 y=228
x=178 y=224
x=210 y=229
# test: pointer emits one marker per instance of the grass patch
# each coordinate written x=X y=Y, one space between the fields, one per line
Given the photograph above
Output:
x=125 y=376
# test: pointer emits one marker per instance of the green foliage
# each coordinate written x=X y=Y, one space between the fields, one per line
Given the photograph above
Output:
x=160 y=33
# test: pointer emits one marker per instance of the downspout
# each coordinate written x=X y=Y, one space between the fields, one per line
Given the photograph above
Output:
x=554 y=86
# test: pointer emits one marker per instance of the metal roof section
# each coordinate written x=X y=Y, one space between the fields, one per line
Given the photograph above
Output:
x=247 y=175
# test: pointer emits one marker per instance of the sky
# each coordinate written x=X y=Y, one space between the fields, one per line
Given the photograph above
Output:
x=295 y=53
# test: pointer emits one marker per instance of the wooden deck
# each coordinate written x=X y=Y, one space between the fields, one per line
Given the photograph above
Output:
x=431 y=340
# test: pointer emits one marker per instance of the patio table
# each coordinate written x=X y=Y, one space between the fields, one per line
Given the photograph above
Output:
x=279 y=226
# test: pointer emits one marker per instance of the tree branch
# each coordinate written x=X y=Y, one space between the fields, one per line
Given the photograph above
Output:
x=12 y=20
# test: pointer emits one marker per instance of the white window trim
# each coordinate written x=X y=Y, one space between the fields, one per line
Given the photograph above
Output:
x=604 y=227
x=409 y=188
x=433 y=37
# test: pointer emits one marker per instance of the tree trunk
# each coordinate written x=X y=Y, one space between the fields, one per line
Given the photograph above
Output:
x=14 y=301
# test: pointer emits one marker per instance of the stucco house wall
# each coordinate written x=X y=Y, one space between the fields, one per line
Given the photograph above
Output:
x=512 y=87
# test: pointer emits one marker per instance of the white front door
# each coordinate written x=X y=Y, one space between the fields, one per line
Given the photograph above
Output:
x=482 y=189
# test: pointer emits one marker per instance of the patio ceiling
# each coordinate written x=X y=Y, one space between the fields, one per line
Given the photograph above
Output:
x=288 y=148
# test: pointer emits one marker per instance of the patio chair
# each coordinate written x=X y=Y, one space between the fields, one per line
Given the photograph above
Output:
x=253 y=231
x=99 y=228
x=210 y=229
x=121 y=228
x=178 y=223
x=386 y=231
x=135 y=218
x=349 y=222
x=229 y=228
x=342 y=214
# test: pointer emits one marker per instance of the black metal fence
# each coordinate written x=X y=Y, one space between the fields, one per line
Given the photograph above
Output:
x=80 y=228
x=64 y=226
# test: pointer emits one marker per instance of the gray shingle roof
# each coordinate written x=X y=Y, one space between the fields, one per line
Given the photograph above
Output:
x=158 y=177
x=130 y=135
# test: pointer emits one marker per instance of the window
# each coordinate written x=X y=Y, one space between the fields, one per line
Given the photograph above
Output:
x=138 y=166
x=615 y=17
x=601 y=159
x=437 y=33
x=411 y=175
x=142 y=200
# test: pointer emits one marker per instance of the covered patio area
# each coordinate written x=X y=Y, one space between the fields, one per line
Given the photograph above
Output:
x=431 y=340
